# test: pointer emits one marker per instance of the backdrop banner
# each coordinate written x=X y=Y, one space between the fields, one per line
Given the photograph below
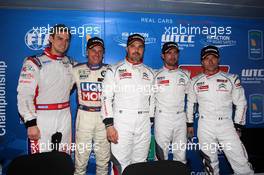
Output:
x=25 y=33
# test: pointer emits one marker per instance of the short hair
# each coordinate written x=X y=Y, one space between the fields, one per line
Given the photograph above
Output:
x=59 y=28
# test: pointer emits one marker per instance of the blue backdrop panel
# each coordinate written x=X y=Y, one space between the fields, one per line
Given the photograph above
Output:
x=24 y=33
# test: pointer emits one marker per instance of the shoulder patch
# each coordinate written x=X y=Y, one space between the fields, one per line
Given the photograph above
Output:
x=78 y=64
x=35 y=59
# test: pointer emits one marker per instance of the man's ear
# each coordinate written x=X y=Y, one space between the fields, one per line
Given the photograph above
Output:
x=51 y=39
x=162 y=56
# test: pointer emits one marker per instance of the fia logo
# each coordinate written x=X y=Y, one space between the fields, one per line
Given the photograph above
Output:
x=36 y=39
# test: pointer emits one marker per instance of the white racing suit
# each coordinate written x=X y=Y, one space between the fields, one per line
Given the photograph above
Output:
x=44 y=88
x=128 y=101
x=215 y=95
x=170 y=116
x=90 y=129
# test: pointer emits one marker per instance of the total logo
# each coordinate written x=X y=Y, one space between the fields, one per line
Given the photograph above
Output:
x=36 y=40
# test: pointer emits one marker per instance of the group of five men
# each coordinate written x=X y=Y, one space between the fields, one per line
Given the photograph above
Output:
x=117 y=103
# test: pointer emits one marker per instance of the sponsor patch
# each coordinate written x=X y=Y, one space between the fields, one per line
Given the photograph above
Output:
x=124 y=75
x=202 y=88
x=221 y=80
x=145 y=76
x=28 y=76
x=222 y=87
x=27 y=68
x=103 y=73
x=181 y=81
x=83 y=73
x=164 y=82
x=91 y=91
x=160 y=78
x=200 y=83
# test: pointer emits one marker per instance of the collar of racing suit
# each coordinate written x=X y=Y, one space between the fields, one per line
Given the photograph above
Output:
x=166 y=68
x=134 y=63
x=50 y=55
x=210 y=75
x=94 y=66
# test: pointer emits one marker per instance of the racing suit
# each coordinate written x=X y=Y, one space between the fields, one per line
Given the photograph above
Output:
x=44 y=88
x=216 y=95
x=128 y=101
x=170 y=117
x=90 y=128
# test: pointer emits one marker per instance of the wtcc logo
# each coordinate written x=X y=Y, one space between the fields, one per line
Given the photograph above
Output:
x=36 y=39
x=252 y=76
x=172 y=34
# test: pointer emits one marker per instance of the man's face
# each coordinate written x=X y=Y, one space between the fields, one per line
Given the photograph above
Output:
x=60 y=42
x=95 y=55
x=171 y=57
x=135 y=51
x=210 y=63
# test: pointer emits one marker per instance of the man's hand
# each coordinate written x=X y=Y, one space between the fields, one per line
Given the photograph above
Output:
x=238 y=128
x=239 y=133
x=33 y=133
x=112 y=134
x=190 y=132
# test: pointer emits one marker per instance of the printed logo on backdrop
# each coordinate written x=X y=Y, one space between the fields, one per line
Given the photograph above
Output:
x=256 y=108
x=122 y=39
x=36 y=39
x=185 y=35
x=91 y=30
x=252 y=76
x=255 y=45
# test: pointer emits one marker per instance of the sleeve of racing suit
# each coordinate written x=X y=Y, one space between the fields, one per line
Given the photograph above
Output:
x=239 y=100
x=108 y=97
x=72 y=65
x=152 y=100
x=27 y=87
x=191 y=101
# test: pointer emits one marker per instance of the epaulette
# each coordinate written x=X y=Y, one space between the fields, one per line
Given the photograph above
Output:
x=35 y=59
x=79 y=64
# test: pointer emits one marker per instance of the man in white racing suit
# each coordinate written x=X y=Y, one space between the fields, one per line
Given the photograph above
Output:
x=170 y=117
x=216 y=92
x=127 y=106
x=90 y=129
x=44 y=88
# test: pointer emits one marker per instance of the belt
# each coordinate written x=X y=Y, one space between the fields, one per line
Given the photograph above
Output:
x=128 y=111
x=55 y=106
x=89 y=108
x=217 y=118
x=177 y=112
